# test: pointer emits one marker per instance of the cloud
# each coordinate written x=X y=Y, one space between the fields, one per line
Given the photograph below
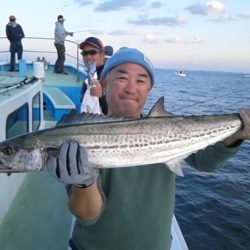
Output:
x=182 y=40
x=150 y=38
x=157 y=5
x=120 y=32
x=197 y=39
x=177 y=39
x=245 y=15
x=222 y=18
x=119 y=5
x=123 y=33
x=169 y=21
x=211 y=7
x=94 y=32
x=82 y=2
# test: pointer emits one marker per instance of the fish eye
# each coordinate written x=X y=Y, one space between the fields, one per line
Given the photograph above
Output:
x=8 y=150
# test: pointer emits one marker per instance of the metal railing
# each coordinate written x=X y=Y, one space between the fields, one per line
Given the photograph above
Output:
x=43 y=46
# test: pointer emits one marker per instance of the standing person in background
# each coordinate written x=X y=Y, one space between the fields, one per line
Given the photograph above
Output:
x=15 y=34
x=93 y=53
x=60 y=35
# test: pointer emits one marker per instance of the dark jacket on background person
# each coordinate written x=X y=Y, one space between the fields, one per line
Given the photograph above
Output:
x=15 y=34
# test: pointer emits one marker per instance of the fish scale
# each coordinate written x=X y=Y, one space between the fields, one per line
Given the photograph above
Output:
x=162 y=146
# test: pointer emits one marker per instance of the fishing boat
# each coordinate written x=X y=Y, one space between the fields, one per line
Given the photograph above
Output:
x=33 y=206
x=180 y=73
x=246 y=75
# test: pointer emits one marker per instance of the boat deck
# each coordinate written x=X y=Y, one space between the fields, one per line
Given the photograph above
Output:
x=50 y=78
x=38 y=217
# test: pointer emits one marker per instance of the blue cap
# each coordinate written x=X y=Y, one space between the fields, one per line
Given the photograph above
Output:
x=128 y=55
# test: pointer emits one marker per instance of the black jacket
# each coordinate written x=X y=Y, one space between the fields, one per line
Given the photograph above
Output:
x=14 y=32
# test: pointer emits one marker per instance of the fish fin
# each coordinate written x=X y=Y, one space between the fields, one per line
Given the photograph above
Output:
x=158 y=109
x=66 y=117
x=175 y=167
x=75 y=118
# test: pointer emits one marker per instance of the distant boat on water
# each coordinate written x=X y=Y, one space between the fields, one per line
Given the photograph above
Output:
x=246 y=75
x=180 y=73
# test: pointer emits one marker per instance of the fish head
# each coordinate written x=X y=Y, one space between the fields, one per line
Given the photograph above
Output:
x=21 y=158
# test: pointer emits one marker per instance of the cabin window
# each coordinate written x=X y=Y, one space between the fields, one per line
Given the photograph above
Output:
x=18 y=121
x=36 y=112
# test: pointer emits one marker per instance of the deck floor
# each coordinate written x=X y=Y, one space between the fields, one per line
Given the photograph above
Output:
x=49 y=77
x=38 y=217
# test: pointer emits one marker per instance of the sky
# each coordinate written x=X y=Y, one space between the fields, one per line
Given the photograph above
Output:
x=188 y=34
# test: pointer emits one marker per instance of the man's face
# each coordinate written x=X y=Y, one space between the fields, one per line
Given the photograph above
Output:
x=90 y=55
x=126 y=87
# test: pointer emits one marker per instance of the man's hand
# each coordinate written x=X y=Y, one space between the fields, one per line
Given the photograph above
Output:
x=96 y=88
x=71 y=166
x=244 y=133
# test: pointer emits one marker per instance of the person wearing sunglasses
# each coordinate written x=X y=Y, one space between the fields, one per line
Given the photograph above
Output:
x=92 y=98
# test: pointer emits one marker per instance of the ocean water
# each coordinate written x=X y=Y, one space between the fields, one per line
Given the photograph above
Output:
x=213 y=209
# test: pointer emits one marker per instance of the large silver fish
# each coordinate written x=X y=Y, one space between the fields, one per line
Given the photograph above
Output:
x=114 y=142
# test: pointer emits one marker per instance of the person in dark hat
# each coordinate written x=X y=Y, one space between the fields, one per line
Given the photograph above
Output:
x=93 y=53
x=60 y=35
x=15 y=34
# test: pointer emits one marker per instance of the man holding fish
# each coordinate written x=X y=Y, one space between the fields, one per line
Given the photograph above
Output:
x=129 y=208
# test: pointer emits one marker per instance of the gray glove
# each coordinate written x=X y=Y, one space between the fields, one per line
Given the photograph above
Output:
x=71 y=166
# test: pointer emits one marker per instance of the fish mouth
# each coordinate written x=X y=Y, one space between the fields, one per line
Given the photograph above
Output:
x=4 y=166
x=5 y=169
